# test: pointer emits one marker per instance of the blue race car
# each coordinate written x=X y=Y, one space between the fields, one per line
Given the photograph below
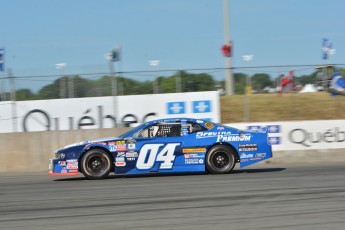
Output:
x=164 y=146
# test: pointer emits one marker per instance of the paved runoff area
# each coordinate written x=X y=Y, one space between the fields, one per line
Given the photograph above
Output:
x=262 y=197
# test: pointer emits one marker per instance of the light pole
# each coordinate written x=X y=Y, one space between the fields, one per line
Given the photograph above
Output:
x=155 y=63
x=109 y=58
x=229 y=82
x=248 y=89
x=62 y=66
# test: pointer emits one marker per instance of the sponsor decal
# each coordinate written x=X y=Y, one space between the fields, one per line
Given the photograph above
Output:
x=194 y=150
x=73 y=171
x=248 y=155
x=247 y=147
x=121 y=148
x=199 y=121
x=255 y=159
x=193 y=155
x=63 y=170
x=101 y=143
x=62 y=163
x=211 y=134
x=220 y=128
x=119 y=159
x=72 y=166
x=224 y=136
x=112 y=146
x=209 y=125
x=193 y=161
x=235 y=137
x=132 y=154
x=131 y=146
x=120 y=164
x=72 y=163
x=260 y=155
x=121 y=154
x=72 y=160
x=130 y=158
x=120 y=142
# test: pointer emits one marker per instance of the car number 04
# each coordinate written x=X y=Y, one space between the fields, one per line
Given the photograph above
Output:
x=149 y=155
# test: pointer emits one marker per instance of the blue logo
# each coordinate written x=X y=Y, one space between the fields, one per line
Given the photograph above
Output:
x=254 y=128
x=273 y=128
x=274 y=137
x=274 y=140
x=176 y=107
x=202 y=106
x=270 y=128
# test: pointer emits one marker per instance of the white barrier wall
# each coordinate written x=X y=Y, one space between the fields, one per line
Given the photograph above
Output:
x=301 y=135
x=103 y=112
x=30 y=151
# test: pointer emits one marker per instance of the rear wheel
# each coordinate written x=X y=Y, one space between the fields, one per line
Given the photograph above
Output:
x=96 y=164
x=220 y=159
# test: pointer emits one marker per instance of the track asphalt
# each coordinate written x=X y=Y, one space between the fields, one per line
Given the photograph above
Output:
x=261 y=197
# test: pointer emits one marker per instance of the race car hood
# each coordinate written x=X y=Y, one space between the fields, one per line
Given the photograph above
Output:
x=89 y=142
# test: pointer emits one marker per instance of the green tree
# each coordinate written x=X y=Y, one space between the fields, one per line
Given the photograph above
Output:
x=168 y=84
x=51 y=91
x=240 y=79
x=196 y=82
x=260 y=81
x=82 y=87
x=25 y=94
x=306 y=79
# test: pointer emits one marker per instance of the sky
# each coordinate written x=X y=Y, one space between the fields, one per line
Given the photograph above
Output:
x=182 y=34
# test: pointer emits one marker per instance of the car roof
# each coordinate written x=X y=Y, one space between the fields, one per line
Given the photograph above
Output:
x=174 y=120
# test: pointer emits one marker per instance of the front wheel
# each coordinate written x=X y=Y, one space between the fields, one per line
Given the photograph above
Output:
x=220 y=159
x=96 y=164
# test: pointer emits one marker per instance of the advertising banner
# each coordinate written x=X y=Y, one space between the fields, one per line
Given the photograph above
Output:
x=301 y=135
x=105 y=112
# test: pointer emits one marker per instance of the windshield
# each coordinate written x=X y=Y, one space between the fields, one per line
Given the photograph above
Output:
x=130 y=132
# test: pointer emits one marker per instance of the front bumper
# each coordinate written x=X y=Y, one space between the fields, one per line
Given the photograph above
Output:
x=58 y=167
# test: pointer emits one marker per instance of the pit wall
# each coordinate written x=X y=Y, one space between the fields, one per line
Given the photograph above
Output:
x=292 y=142
x=30 y=152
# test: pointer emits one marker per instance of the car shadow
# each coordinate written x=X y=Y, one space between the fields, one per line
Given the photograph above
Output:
x=261 y=170
x=235 y=171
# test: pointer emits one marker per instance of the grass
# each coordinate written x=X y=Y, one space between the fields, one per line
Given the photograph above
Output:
x=287 y=107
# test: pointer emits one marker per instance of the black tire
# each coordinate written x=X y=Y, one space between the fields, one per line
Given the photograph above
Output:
x=96 y=164
x=220 y=159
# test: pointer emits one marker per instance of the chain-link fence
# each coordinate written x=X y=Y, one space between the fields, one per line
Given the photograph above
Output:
x=262 y=82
